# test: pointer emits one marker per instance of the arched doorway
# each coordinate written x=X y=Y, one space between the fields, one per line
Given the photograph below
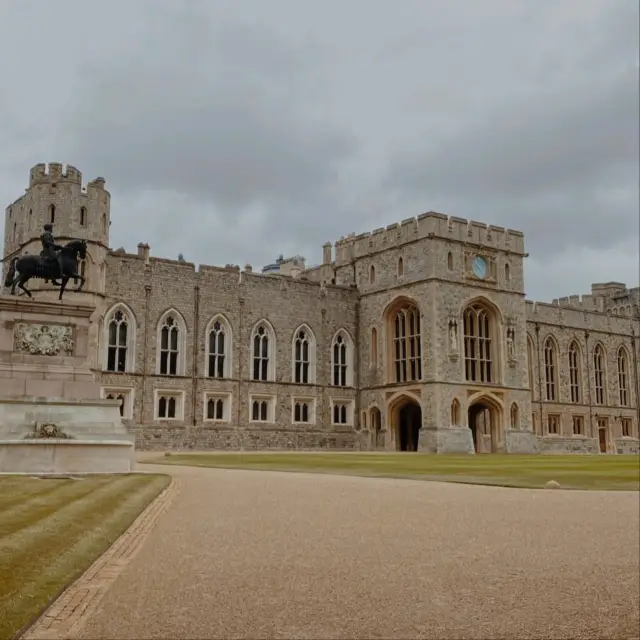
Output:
x=484 y=425
x=407 y=423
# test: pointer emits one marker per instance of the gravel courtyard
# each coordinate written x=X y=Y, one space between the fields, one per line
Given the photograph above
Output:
x=246 y=554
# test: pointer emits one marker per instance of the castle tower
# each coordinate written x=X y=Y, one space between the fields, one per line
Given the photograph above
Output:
x=56 y=195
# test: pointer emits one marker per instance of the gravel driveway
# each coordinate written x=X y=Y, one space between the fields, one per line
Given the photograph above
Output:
x=249 y=554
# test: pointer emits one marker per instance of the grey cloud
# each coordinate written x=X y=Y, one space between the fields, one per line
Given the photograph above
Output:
x=223 y=112
x=234 y=131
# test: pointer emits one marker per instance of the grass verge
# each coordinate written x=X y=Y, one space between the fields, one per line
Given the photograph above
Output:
x=621 y=473
x=52 y=530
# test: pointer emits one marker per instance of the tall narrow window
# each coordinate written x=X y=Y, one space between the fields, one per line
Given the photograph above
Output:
x=550 y=370
x=478 y=357
x=598 y=373
x=340 y=363
x=301 y=354
x=407 y=348
x=263 y=353
x=83 y=216
x=372 y=274
x=117 y=347
x=450 y=261
x=342 y=359
x=217 y=351
x=52 y=213
x=169 y=346
x=623 y=377
x=400 y=266
x=104 y=223
x=575 y=373
x=507 y=273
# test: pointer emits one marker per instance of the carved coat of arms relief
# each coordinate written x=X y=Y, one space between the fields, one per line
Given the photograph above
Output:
x=43 y=339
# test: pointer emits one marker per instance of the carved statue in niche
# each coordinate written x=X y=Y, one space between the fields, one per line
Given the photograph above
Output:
x=511 y=343
x=453 y=334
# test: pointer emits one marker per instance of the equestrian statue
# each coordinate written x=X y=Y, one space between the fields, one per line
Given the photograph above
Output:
x=55 y=261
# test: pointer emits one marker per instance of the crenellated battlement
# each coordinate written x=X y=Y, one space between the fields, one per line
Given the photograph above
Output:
x=585 y=302
x=429 y=225
x=606 y=297
x=54 y=172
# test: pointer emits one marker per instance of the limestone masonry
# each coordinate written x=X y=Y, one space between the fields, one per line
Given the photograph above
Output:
x=412 y=337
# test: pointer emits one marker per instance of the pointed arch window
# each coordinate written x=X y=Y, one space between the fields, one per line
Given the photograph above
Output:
x=171 y=345
x=623 y=377
x=215 y=409
x=119 y=340
x=575 y=373
x=372 y=274
x=478 y=344
x=263 y=353
x=599 y=374
x=303 y=356
x=550 y=370
x=400 y=266
x=407 y=347
x=342 y=360
x=218 y=348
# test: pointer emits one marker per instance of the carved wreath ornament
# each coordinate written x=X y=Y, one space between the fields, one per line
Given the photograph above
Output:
x=48 y=430
x=43 y=339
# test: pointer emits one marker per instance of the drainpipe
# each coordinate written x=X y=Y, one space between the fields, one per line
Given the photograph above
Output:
x=356 y=366
x=634 y=352
x=240 y=343
x=586 y=341
x=537 y=327
x=195 y=353
x=145 y=349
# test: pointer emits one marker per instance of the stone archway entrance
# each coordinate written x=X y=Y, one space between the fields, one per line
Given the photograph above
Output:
x=407 y=421
x=484 y=425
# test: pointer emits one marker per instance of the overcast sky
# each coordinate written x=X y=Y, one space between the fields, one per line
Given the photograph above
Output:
x=236 y=130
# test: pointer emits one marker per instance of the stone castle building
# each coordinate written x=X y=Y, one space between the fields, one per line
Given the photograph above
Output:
x=412 y=337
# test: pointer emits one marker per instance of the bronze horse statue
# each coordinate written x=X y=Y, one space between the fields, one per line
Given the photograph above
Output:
x=23 y=268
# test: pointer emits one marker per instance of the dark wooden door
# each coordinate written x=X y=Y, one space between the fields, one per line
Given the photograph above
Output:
x=602 y=437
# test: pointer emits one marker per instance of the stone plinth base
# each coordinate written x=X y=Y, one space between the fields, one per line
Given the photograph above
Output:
x=52 y=420
x=61 y=457
x=58 y=435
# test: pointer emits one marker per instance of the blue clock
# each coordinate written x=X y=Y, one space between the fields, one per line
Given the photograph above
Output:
x=479 y=266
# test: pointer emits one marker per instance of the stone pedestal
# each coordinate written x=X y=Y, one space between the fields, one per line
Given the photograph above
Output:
x=52 y=420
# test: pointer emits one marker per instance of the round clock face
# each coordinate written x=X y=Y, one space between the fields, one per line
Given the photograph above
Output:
x=479 y=266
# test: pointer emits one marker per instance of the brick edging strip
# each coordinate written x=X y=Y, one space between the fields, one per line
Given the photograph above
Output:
x=66 y=616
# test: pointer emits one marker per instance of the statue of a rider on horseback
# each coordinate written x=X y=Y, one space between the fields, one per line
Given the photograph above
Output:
x=54 y=262
x=50 y=251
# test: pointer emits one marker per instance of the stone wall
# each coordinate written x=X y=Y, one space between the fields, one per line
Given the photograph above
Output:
x=424 y=263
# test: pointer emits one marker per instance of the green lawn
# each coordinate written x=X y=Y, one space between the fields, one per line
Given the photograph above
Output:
x=571 y=471
x=51 y=531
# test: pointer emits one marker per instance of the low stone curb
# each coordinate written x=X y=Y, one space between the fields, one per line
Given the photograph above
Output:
x=66 y=616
